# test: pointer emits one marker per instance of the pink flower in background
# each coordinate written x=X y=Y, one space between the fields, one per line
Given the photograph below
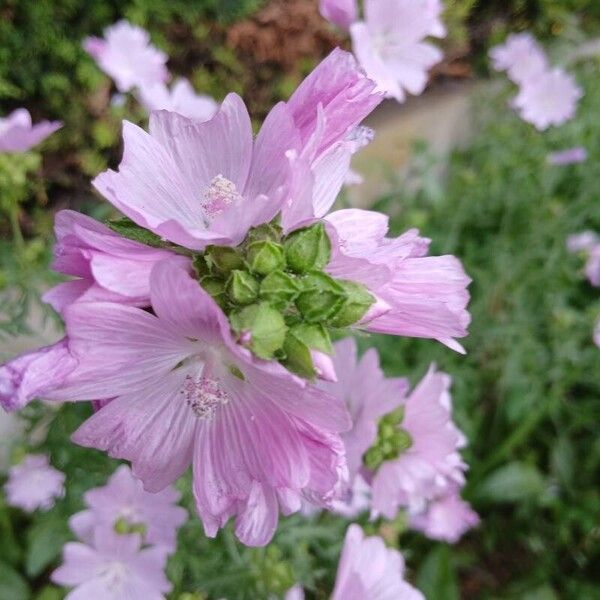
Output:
x=204 y=183
x=107 y=266
x=123 y=501
x=368 y=394
x=113 y=567
x=588 y=243
x=339 y=12
x=568 y=157
x=390 y=44
x=521 y=56
x=18 y=134
x=181 y=98
x=258 y=437
x=420 y=296
x=34 y=484
x=446 y=518
x=294 y=593
x=432 y=464
x=128 y=57
x=548 y=99
x=368 y=570
x=34 y=374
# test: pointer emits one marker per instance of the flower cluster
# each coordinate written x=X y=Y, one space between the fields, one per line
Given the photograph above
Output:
x=547 y=96
x=127 y=56
x=390 y=42
x=125 y=536
x=199 y=323
x=403 y=449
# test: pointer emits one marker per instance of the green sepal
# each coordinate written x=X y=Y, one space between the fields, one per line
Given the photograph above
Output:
x=242 y=288
x=355 y=307
x=321 y=297
x=265 y=256
x=201 y=267
x=299 y=341
x=224 y=259
x=132 y=231
x=308 y=249
x=215 y=287
x=279 y=289
x=268 y=231
x=266 y=326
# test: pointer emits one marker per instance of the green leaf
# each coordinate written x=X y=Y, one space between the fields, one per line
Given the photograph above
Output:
x=12 y=585
x=511 y=483
x=45 y=541
x=130 y=230
x=437 y=575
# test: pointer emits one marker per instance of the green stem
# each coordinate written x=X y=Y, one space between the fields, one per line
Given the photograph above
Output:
x=17 y=234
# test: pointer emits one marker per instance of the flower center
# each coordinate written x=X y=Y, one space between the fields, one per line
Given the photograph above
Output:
x=114 y=575
x=220 y=194
x=203 y=395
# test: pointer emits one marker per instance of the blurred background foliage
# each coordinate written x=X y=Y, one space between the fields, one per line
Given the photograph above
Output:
x=527 y=392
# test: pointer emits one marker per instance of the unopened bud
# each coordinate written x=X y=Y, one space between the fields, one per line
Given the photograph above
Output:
x=357 y=304
x=242 y=288
x=308 y=249
x=264 y=324
x=264 y=257
x=373 y=458
x=303 y=344
x=323 y=365
x=201 y=267
x=279 y=289
x=321 y=297
x=216 y=288
x=224 y=259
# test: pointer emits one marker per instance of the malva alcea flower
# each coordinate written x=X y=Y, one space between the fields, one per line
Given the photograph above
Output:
x=126 y=55
x=124 y=506
x=389 y=44
x=521 y=56
x=113 y=567
x=339 y=12
x=34 y=484
x=185 y=392
x=18 y=134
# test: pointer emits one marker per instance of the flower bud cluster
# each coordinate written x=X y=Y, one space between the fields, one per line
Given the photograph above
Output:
x=279 y=300
x=391 y=440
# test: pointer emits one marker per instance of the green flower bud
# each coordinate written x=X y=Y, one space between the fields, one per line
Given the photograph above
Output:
x=224 y=259
x=264 y=326
x=402 y=441
x=373 y=458
x=358 y=301
x=264 y=257
x=123 y=527
x=386 y=430
x=216 y=288
x=201 y=267
x=268 y=231
x=308 y=249
x=279 y=289
x=299 y=341
x=321 y=297
x=242 y=288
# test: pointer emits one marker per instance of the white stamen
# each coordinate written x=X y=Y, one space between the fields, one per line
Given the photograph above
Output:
x=203 y=396
x=219 y=195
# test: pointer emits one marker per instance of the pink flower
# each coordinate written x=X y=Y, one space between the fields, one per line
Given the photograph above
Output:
x=568 y=157
x=196 y=183
x=446 y=519
x=521 y=56
x=107 y=266
x=548 y=99
x=432 y=464
x=389 y=43
x=114 y=567
x=35 y=374
x=369 y=571
x=421 y=296
x=368 y=395
x=339 y=12
x=34 y=484
x=258 y=437
x=181 y=98
x=294 y=593
x=126 y=55
x=124 y=502
x=17 y=134
x=584 y=241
